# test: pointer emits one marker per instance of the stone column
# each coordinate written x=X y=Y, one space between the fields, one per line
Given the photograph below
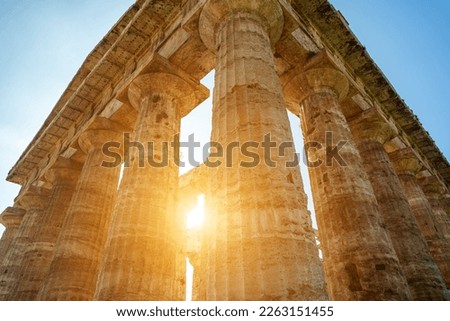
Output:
x=196 y=258
x=259 y=244
x=34 y=201
x=407 y=166
x=445 y=201
x=359 y=260
x=74 y=270
x=191 y=185
x=141 y=258
x=39 y=253
x=436 y=192
x=10 y=218
x=425 y=281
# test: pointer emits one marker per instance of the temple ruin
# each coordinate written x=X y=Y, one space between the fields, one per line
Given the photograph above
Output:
x=381 y=197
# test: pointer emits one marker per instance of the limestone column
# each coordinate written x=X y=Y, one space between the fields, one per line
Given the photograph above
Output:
x=10 y=218
x=407 y=166
x=194 y=252
x=359 y=259
x=34 y=201
x=141 y=257
x=259 y=243
x=425 y=281
x=39 y=253
x=191 y=185
x=435 y=192
x=79 y=248
x=445 y=201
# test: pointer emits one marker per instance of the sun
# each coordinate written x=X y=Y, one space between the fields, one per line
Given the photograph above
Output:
x=196 y=216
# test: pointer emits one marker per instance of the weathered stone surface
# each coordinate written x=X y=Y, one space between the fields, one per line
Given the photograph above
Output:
x=259 y=239
x=79 y=249
x=34 y=201
x=39 y=253
x=424 y=278
x=142 y=249
x=257 y=242
x=191 y=185
x=359 y=260
x=407 y=165
x=10 y=218
x=436 y=193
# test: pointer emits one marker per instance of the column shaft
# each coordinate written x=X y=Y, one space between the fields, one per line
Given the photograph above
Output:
x=421 y=272
x=436 y=193
x=10 y=219
x=79 y=249
x=39 y=254
x=259 y=238
x=440 y=216
x=33 y=201
x=140 y=260
x=359 y=260
x=437 y=243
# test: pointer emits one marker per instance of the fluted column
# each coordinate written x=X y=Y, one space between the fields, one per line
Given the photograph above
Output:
x=79 y=249
x=197 y=261
x=191 y=186
x=445 y=201
x=39 y=253
x=141 y=256
x=407 y=166
x=359 y=259
x=435 y=192
x=10 y=218
x=259 y=240
x=425 y=281
x=34 y=201
x=196 y=255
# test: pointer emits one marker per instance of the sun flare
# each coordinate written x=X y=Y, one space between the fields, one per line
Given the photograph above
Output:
x=196 y=216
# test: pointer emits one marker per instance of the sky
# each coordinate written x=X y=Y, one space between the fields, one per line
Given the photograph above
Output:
x=410 y=42
x=44 y=42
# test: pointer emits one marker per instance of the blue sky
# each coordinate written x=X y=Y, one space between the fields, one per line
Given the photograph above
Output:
x=410 y=41
x=44 y=42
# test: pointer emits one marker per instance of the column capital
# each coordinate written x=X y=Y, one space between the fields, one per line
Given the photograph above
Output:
x=101 y=131
x=216 y=12
x=185 y=92
x=64 y=170
x=405 y=161
x=371 y=126
x=34 y=197
x=316 y=80
x=12 y=216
